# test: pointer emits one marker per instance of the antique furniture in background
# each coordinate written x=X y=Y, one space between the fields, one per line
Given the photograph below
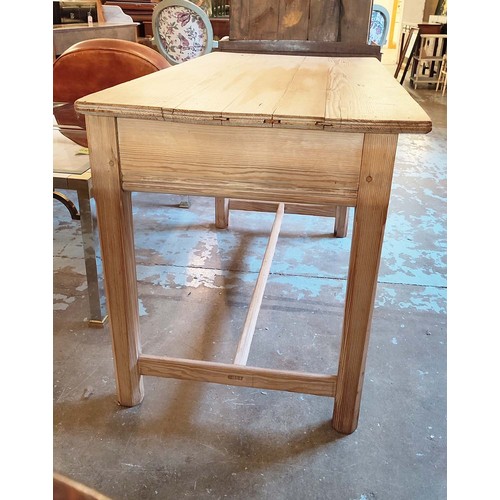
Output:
x=182 y=30
x=408 y=43
x=315 y=20
x=66 y=35
x=297 y=28
x=71 y=172
x=443 y=75
x=220 y=18
x=77 y=12
x=71 y=24
x=87 y=67
x=312 y=27
x=427 y=59
x=115 y=14
x=142 y=12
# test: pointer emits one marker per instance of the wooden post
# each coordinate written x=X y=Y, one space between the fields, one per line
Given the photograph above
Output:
x=114 y=214
x=100 y=12
x=379 y=151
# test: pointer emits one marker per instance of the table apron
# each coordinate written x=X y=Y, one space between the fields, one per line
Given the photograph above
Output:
x=271 y=164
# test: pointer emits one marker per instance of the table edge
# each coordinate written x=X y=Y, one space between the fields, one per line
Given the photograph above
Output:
x=238 y=120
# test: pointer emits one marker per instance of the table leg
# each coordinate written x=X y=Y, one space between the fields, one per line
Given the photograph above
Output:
x=95 y=285
x=377 y=164
x=341 y=221
x=221 y=213
x=114 y=214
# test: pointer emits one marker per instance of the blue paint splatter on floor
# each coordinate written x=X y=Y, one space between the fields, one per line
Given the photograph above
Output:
x=178 y=248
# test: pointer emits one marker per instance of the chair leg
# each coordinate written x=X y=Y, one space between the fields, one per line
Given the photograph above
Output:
x=222 y=216
x=221 y=213
x=185 y=202
x=341 y=222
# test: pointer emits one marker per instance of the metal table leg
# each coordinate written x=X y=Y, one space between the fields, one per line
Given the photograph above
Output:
x=93 y=266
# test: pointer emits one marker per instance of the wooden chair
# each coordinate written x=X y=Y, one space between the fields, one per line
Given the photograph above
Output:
x=324 y=28
x=223 y=206
x=182 y=30
x=379 y=26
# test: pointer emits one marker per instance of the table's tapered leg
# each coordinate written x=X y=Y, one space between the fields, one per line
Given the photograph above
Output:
x=221 y=213
x=369 y=223
x=114 y=213
x=341 y=221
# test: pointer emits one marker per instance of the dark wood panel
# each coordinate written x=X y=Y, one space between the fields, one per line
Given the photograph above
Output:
x=324 y=18
x=319 y=20
x=254 y=20
x=355 y=21
x=238 y=20
x=301 y=47
x=293 y=19
x=263 y=20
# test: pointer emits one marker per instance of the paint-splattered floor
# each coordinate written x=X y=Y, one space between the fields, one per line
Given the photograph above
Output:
x=189 y=440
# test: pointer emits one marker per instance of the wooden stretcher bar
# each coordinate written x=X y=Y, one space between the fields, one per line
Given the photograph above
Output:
x=238 y=373
x=338 y=212
x=245 y=342
x=290 y=208
x=245 y=376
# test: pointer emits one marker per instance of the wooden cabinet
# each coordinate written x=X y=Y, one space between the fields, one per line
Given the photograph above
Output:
x=220 y=26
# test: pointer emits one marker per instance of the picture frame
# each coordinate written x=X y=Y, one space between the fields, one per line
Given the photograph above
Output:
x=407 y=53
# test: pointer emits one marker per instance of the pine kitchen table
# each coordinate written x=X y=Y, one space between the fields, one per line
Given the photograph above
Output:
x=300 y=130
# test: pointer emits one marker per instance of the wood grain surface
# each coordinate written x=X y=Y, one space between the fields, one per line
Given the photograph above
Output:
x=243 y=349
x=379 y=152
x=325 y=20
x=288 y=165
x=114 y=213
x=245 y=376
x=261 y=90
x=259 y=127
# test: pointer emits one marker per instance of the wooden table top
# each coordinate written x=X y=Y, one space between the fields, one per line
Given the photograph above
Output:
x=356 y=94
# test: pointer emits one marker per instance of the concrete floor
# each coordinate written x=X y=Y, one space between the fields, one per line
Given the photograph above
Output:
x=194 y=440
